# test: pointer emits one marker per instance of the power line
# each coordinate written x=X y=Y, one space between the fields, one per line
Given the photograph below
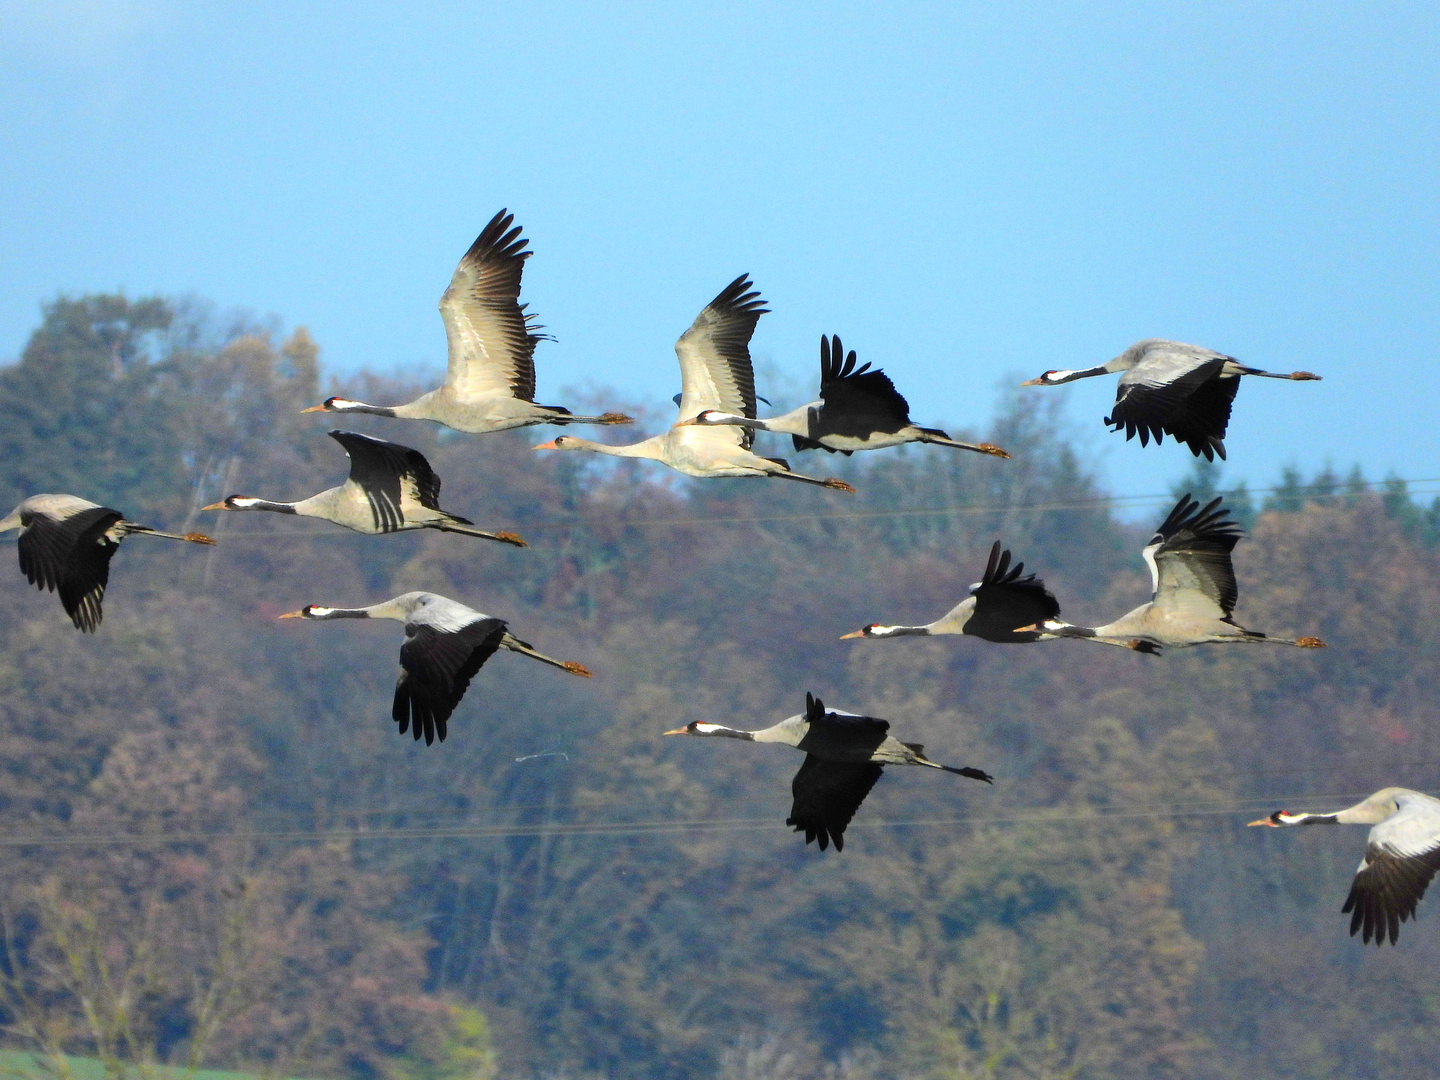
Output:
x=1056 y=815
x=1094 y=503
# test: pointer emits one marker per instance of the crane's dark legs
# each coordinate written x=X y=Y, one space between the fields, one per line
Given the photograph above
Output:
x=604 y=418
x=1297 y=376
x=145 y=530
x=503 y=537
x=829 y=482
x=514 y=644
x=979 y=448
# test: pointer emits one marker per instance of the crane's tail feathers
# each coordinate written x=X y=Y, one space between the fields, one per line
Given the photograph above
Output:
x=939 y=438
x=514 y=644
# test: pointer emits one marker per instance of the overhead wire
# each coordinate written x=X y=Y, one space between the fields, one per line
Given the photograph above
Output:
x=1094 y=503
x=1061 y=814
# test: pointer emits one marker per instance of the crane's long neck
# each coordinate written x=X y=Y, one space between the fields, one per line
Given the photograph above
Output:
x=345 y=405
x=652 y=448
x=721 y=731
x=263 y=504
x=345 y=613
x=794 y=422
x=1054 y=629
x=1281 y=817
x=898 y=631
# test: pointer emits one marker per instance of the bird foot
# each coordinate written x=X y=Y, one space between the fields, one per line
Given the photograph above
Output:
x=198 y=538
x=576 y=669
x=992 y=450
x=1310 y=643
x=511 y=538
x=1304 y=376
x=839 y=485
x=616 y=418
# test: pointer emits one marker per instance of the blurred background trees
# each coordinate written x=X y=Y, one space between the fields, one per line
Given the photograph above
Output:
x=220 y=853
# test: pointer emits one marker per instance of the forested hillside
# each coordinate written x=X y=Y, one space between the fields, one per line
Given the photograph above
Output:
x=219 y=851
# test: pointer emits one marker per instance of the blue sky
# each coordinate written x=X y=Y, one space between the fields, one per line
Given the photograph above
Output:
x=963 y=193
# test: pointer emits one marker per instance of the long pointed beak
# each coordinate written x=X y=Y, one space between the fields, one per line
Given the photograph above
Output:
x=692 y=422
x=1033 y=382
x=1263 y=821
x=677 y=731
x=1033 y=628
x=293 y=615
x=857 y=633
x=213 y=506
x=546 y=446
x=314 y=408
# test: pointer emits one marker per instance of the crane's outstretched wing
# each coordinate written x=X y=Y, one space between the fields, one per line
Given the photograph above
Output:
x=858 y=401
x=1173 y=390
x=1004 y=600
x=1189 y=560
x=437 y=666
x=827 y=794
x=71 y=555
x=1402 y=855
x=492 y=340
x=714 y=356
x=386 y=471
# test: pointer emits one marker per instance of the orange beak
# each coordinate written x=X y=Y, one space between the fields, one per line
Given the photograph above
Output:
x=546 y=446
x=1033 y=382
x=857 y=633
x=1263 y=821
x=213 y=506
x=314 y=408
x=677 y=731
x=293 y=615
